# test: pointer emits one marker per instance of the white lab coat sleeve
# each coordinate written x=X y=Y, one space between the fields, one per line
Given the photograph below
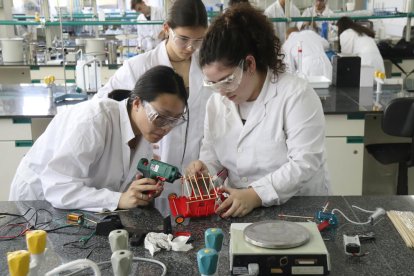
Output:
x=324 y=42
x=208 y=153
x=141 y=29
x=294 y=12
x=66 y=180
x=122 y=79
x=347 y=39
x=305 y=137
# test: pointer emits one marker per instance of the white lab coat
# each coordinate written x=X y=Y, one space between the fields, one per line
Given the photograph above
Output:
x=148 y=34
x=276 y=10
x=362 y=46
x=172 y=145
x=82 y=160
x=314 y=60
x=280 y=151
x=311 y=12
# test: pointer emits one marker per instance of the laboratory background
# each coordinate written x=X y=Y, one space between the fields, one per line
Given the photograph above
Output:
x=55 y=54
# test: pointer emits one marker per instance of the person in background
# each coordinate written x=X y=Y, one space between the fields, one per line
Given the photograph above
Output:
x=149 y=36
x=185 y=27
x=319 y=9
x=355 y=39
x=86 y=159
x=277 y=10
x=314 y=60
x=265 y=126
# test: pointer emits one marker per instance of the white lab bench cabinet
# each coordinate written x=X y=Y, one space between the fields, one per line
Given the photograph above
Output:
x=38 y=73
x=345 y=153
x=16 y=138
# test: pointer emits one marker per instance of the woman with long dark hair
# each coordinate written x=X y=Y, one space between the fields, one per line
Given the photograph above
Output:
x=185 y=27
x=265 y=126
x=88 y=154
x=355 y=39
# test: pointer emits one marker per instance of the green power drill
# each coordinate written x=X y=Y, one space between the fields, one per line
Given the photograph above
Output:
x=158 y=170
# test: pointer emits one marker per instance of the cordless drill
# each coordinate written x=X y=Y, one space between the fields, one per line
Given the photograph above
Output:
x=158 y=170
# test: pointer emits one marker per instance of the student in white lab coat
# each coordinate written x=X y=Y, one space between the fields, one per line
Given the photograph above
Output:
x=265 y=126
x=277 y=10
x=149 y=36
x=185 y=26
x=86 y=159
x=314 y=60
x=319 y=9
x=355 y=39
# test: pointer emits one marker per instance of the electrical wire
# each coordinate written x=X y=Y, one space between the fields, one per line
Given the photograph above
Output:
x=61 y=227
x=363 y=210
x=75 y=263
x=163 y=266
x=351 y=221
x=375 y=214
x=27 y=224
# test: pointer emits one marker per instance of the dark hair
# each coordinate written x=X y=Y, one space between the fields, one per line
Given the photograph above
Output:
x=345 y=23
x=234 y=2
x=187 y=13
x=156 y=81
x=240 y=31
x=119 y=94
x=135 y=2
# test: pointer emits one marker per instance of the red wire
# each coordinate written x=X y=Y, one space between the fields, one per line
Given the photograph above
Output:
x=24 y=230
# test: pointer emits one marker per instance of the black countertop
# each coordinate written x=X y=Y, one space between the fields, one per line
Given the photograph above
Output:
x=387 y=255
x=31 y=100
x=359 y=100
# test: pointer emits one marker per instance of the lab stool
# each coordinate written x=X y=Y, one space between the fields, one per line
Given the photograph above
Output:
x=397 y=120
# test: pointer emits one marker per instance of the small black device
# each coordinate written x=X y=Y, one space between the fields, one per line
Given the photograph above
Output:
x=107 y=224
x=346 y=71
x=352 y=245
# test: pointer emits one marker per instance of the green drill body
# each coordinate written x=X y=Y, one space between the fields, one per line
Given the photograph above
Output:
x=155 y=169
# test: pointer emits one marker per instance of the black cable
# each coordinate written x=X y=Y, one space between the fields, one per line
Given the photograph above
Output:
x=60 y=227
x=27 y=225
x=186 y=136
x=93 y=249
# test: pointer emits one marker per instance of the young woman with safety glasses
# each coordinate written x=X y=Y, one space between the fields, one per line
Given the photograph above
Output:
x=88 y=155
x=265 y=126
x=185 y=27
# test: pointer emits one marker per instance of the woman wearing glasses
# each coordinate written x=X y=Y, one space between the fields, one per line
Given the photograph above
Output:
x=87 y=156
x=185 y=28
x=265 y=126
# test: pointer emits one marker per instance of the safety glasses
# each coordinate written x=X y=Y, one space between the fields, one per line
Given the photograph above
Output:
x=185 y=42
x=160 y=120
x=230 y=83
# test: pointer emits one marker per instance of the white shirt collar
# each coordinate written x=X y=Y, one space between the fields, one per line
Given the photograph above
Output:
x=126 y=127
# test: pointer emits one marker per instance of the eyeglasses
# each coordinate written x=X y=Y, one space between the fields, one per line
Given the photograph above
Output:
x=230 y=83
x=185 y=42
x=160 y=120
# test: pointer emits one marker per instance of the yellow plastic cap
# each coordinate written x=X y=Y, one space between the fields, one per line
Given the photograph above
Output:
x=379 y=74
x=36 y=17
x=36 y=241
x=49 y=79
x=19 y=262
